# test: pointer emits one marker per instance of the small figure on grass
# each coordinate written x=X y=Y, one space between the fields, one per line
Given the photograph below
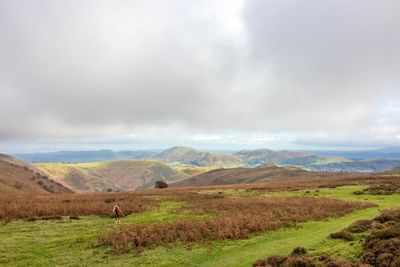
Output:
x=117 y=214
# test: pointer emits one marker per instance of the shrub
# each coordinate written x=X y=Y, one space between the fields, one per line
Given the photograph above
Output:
x=298 y=251
x=360 y=226
x=388 y=215
x=344 y=234
x=259 y=263
x=276 y=260
x=160 y=184
x=382 y=245
x=300 y=262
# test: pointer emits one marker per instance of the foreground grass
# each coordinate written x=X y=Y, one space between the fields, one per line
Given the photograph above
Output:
x=70 y=243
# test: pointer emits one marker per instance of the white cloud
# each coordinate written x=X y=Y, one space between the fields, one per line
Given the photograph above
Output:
x=256 y=73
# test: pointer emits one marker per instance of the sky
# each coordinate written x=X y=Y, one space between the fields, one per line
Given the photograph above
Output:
x=222 y=75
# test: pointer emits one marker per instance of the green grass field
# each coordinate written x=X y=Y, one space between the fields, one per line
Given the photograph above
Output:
x=74 y=242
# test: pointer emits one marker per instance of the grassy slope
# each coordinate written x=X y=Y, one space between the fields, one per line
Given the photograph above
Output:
x=245 y=176
x=195 y=170
x=117 y=175
x=68 y=243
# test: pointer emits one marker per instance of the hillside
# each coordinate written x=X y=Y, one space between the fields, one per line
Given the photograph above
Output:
x=395 y=169
x=118 y=175
x=264 y=173
x=392 y=153
x=193 y=157
x=282 y=157
x=17 y=176
x=378 y=165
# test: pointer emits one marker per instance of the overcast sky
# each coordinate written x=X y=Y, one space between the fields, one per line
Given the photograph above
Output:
x=228 y=74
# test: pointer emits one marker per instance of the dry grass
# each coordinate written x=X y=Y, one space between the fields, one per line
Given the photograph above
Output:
x=23 y=207
x=321 y=180
x=237 y=218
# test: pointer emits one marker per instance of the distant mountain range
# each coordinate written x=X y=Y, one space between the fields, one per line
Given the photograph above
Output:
x=84 y=156
x=392 y=153
x=180 y=166
x=283 y=157
x=377 y=165
x=190 y=156
x=337 y=161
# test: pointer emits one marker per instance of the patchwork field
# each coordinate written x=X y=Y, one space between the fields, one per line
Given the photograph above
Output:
x=185 y=227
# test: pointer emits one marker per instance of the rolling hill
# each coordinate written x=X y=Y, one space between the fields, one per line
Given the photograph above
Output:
x=263 y=173
x=395 y=169
x=119 y=175
x=377 y=165
x=192 y=157
x=283 y=157
x=17 y=176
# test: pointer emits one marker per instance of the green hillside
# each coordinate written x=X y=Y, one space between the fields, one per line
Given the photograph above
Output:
x=180 y=155
x=119 y=175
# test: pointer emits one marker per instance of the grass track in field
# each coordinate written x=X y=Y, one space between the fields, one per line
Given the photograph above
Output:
x=44 y=243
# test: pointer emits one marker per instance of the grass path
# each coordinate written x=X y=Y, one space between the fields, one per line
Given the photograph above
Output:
x=45 y=243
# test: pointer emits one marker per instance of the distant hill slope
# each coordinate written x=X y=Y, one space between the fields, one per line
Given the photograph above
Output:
x=17 y=176
x=190 y=156
x=378 y=165
x=283 y=157
x=395 y=169
x=116 y=175
x=268 y=172
x=392 y=153
x=84 y=156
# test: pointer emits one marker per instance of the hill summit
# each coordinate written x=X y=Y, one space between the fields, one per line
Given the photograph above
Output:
x=190 y=156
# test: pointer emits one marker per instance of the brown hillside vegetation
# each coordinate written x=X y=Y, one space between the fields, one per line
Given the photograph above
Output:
x=313 y=180
x=18 y=177
x=234 y=220
x=14 y=207
x=31 y=206
x=263 y=173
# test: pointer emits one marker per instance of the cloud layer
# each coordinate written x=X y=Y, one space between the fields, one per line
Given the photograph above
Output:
x=101 y=69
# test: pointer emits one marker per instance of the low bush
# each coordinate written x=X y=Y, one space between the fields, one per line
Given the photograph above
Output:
x=382 y=245
x=275 y=260
x=345 y=235
x=160 y=184
x=298 y=251
x=360 y=226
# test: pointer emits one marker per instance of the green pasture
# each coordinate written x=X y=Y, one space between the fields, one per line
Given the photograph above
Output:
x=74 y=242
